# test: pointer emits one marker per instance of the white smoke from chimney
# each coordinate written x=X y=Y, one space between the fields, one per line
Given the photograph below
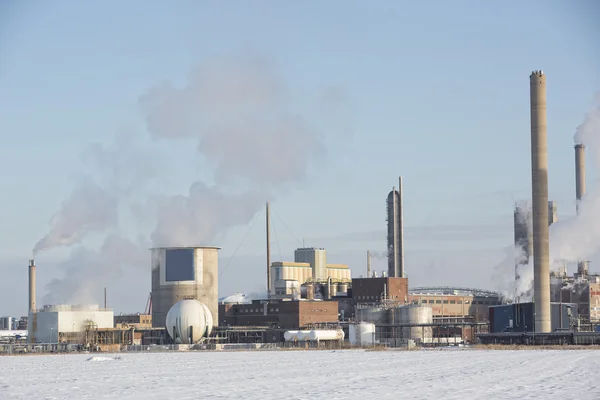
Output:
x=243 y=122
x=578 y=238
x=240 y=115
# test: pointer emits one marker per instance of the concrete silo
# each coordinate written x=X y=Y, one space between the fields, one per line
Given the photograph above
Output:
x=180 y=273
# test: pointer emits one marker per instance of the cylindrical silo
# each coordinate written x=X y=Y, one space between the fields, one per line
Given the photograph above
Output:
x=539 y=179
x=375 y=315
x=414 y=314
x=180 y=273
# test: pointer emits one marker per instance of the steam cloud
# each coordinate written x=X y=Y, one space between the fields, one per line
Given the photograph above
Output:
x=240 y=116
x=88 y=209
x=571 y=239
x=578 y=238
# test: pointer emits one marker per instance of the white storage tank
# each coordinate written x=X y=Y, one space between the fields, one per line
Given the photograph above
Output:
x=362 y=334
x=330 y=334
x=303 y=335
x=188 y=321
x=414 y=314
x=290 y=336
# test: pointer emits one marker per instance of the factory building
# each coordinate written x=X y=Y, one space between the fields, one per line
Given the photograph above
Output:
x=283 y=314
x=395 y=232
x=375 y=290
x=134 y=320
x=456 y=302
x=310 y=265
x=183 y=273
x=585 y=294
x=519 y=317
x=62 y=322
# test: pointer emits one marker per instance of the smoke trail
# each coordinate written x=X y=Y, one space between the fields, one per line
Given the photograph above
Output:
x=240 y=115
x=241 y=118
x=578 y=238
x=89 y=208
x=87 y=271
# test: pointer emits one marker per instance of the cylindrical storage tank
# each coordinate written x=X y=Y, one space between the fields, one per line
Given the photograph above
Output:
x=342 y=287
x=290 y=336
x=308 y=291
x=362 y=334
x=333 y=290
x=303 y=335
x=324 y=291
x=331 y=334
x=414 y=314
x=188 y=321
x=180 y=273
x=375 y=315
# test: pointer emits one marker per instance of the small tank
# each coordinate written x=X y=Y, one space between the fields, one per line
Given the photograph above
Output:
x=342 y=287
x=333 y=289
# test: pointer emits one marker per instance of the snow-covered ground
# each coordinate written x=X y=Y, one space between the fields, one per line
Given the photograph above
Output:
x=461 y=374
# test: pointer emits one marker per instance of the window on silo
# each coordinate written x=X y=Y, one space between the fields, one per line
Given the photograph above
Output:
x=179 y=265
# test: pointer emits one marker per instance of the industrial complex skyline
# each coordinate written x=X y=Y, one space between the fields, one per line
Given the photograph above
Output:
x=395 y=106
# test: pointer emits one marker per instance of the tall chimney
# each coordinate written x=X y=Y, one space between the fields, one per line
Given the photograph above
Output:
x=31 y=285
x=582 y=266
x=368 y=263
x=539 y=180
x=268 y=223
x=400 y=230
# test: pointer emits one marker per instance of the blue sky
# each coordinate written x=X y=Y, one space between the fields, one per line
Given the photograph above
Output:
x=434 y=91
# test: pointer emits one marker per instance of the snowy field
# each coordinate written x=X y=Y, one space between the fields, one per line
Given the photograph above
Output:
x=459 y=374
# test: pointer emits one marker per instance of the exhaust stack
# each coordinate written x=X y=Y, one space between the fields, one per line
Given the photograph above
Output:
x=368 y=263
x=32 y=285
x=400 y=230
x=539 y=189
x=582 y=266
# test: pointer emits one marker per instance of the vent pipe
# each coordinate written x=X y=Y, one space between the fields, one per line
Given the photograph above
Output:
x=32 y=285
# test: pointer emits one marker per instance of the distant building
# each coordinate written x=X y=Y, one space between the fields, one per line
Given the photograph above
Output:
x=284 y=314
x=135 y=320
x=309 y=265
x=54 y=324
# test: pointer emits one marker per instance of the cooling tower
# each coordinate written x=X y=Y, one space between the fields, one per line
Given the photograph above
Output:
x=539 y=181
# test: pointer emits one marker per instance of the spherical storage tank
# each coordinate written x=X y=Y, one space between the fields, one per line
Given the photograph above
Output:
x=188 y=321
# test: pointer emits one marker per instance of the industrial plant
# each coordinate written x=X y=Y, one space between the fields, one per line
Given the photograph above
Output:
x=313 y=303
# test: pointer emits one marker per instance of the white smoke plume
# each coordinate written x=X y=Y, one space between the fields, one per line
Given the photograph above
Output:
x=87 y=271
x=578 y=238
x=88 y=209
x=241 y=118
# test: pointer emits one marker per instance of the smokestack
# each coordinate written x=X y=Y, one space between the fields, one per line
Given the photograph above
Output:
x=31 y=285
x=268 y=211
x=579 y=173
x=368 y=263
x=400 y=230
x=105 y=303
x=582 y=266
x=539 y=190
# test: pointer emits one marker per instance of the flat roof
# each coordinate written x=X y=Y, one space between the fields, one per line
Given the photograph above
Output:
x=185 y=247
